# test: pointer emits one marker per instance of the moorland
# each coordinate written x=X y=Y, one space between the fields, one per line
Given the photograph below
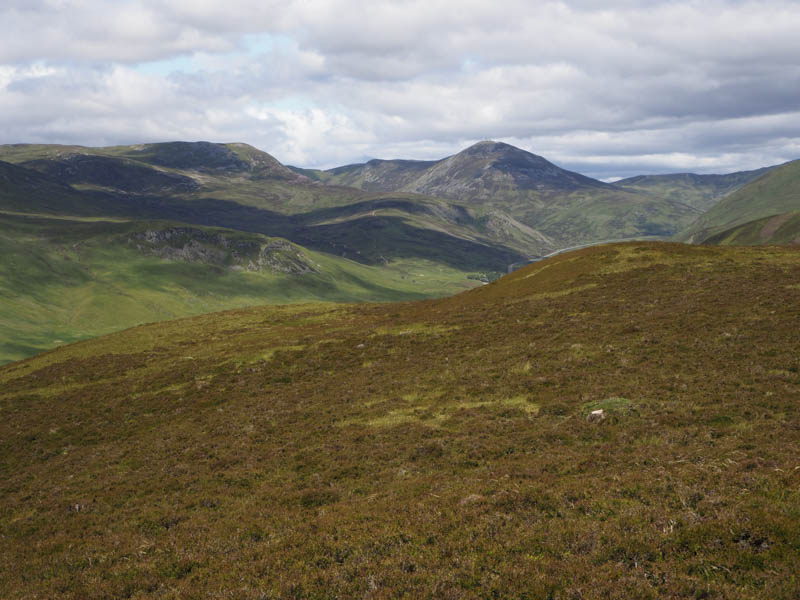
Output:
x=438 y=448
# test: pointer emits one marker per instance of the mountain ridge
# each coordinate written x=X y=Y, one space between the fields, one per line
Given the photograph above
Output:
x=697 y=190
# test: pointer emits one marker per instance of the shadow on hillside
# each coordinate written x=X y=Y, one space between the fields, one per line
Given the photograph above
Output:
x=369 y=240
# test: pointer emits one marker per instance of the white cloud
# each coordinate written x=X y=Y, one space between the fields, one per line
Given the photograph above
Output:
x=603 y=87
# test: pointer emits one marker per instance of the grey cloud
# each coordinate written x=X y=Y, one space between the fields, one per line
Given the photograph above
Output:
x=605 y=86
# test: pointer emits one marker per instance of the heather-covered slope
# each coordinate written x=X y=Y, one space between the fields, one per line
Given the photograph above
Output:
x=432 y=449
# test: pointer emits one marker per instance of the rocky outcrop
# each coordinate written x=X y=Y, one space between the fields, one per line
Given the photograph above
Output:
x=231 y=251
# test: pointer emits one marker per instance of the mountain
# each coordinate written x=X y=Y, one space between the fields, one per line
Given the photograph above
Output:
x=71 y=271
x=508 y=201
x=489 y=168
x=499 y=181
x=775 y=193
x=444 y=448
x=82 y=163
x=480 y=171
x=698 y=191
x=237 y=186
x=73 y=266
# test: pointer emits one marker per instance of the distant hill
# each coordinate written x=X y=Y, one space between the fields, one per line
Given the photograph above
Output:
x=203 y=157
x=70 y=278
x=239 y=187
x=507 y=199
x=617 y=422
x=774 y=193
x=478 y=172
x=374 y=176
x=499 y=181
x=776 y=230
x=698 y=191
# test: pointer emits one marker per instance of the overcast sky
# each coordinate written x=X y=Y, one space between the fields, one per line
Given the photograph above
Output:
x=609 y=88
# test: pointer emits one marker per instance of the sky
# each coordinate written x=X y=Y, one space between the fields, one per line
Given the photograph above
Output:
x=608 y=88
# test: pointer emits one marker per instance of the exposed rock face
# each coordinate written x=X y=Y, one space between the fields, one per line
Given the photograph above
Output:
x=237 y=253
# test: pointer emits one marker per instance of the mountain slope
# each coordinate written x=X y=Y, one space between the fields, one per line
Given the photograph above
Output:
x=515 y=201
x=81 y=275
x=779 y=229
x=433 y=449
x=698 y=191
x=489 y=168
x=65 y=279
x=777 y=192
x=28 y=191
x=479 y=171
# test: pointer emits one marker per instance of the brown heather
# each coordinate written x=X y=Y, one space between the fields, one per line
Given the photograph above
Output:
x=438 y=449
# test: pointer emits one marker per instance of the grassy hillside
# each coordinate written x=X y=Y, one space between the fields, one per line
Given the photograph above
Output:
x=779 y=229
x=776 y=193
x=63 y=280
x=698 y=191
x=433 y=449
